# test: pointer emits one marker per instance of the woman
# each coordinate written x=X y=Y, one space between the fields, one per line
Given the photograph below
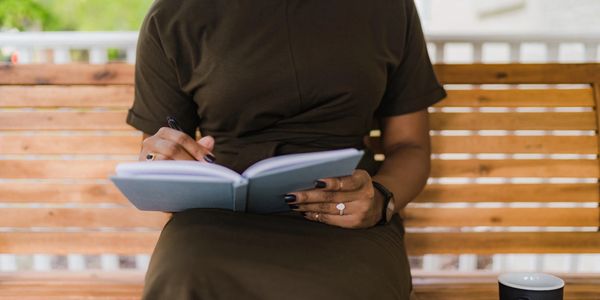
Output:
x=265 y=78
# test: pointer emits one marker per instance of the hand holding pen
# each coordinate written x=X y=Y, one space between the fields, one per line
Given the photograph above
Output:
x=171 y=143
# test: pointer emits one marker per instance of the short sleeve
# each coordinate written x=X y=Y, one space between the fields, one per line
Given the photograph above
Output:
x=412 y=86
x=158 y=92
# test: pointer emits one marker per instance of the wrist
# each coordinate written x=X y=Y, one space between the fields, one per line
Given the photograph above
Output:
x=386 y=197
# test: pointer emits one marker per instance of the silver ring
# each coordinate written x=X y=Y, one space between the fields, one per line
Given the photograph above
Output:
x=341 y=207
x=150 y=156
x=317 y=216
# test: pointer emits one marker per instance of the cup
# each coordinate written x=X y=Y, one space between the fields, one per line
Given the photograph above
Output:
x=530 y=286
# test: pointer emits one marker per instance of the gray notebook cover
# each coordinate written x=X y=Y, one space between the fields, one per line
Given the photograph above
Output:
x=260 y=194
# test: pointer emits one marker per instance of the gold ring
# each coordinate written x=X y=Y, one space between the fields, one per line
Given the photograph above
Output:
x=150 y=156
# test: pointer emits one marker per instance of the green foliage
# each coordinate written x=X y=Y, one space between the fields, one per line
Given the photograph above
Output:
x=86 y=15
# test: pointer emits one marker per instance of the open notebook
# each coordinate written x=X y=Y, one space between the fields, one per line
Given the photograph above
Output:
x=172 y=186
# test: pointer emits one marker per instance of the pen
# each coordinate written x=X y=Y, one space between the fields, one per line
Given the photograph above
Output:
x=174 y=125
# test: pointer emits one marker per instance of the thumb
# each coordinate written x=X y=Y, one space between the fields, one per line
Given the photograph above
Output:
x=207 y=142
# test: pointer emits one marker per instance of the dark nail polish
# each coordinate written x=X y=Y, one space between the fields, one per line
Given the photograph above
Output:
x=289 y=198
x=320 y=184
x=294 y=206
x=209 y=158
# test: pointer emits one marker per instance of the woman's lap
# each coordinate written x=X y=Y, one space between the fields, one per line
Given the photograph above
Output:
x=217 y=254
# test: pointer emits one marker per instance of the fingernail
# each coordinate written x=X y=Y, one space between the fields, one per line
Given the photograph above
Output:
x=289 y=198
x=294 y=206
x=320 y=184
x=210 y=158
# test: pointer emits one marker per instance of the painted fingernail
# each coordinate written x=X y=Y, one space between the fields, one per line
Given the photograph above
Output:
x=294 y=206
x=289 y=198
x=210 y=158
x=320 y=184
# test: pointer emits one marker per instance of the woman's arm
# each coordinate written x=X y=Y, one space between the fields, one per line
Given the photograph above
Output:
x=407 y=148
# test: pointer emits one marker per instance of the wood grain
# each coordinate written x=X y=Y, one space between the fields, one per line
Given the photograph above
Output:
x=512 y=121
x=64 y=120
x=126 y=217
x=45 y=192
x=550 y=97
x=473 y=193
x=548 y=73
x=544 y=168
x=71 y=144
x=502 y=242
x=67 y=74
x=467 y=217
x=90 y=96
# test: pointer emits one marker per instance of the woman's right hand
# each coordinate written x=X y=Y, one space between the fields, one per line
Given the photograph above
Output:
x=171 y=144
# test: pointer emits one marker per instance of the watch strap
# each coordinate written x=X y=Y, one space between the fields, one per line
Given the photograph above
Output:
x=387 y=196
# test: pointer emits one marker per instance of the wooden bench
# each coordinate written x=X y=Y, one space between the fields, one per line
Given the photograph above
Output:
x=63 y=130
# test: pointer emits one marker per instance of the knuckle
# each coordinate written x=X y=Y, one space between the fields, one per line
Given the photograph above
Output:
x=162 y=131
x=180 y=138
x=171 y=149
x=330 y=196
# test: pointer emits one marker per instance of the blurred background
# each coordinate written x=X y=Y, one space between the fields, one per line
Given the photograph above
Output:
x=458 y=31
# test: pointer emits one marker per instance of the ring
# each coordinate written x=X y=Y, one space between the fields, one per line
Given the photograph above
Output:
x=341 y=207
x=317 y=216
x=150 y=156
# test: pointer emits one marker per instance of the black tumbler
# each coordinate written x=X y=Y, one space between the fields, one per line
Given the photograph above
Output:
x=530 y=286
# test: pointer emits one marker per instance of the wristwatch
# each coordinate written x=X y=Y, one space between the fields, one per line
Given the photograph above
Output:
x=387 y=196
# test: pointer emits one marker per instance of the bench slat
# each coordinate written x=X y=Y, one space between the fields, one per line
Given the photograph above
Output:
x=120 y=96
x=63 y=120
x=543 y=168
x=44 y=192
x=71 y=144
x=518 y=98
x=115 y=120
x=570 y=192
x=502 y=242
x=416 y=243
x=67 y=74
x=515 y=144
x=459 y=217
x=126 y=217
x=513 y=121
x=548 y=73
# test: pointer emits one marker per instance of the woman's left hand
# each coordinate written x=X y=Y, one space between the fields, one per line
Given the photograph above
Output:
x=355 y=194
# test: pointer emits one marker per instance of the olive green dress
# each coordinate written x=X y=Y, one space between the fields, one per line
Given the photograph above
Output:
x=272 y=77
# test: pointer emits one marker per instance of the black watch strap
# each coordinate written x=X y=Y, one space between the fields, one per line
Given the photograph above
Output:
x=387 y=196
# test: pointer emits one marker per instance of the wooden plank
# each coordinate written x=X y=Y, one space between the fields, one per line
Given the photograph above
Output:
x=66 y=96
x=518 y=98
x=93 y=242
x=550 y=73
x=63 y=120
x=128 y=243
x=546 y=144
x=71 y=144
x=101 y=169
x=67 y=74
x=502 y=242
x=513 y=121
x=126 y=217
x=458 y=217
x=570 y=192
x=57 y=169
x=575 y=168
x=44 y=192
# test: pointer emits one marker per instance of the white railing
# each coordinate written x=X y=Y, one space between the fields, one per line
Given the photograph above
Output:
x=95 y=47
x=60 y=47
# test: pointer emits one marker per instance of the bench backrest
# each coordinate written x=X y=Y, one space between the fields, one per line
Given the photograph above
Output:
x=62 y=131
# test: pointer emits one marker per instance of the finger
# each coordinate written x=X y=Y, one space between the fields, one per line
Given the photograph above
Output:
x=207 y=142
x=169 y=149
x=326 y=208
x=344 y=183
x=316 y=196
x=188 y=144
x=335 y=220
x=157 y=156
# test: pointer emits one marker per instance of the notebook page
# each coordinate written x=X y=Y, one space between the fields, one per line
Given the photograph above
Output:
x=169 y=168
x=290 y=161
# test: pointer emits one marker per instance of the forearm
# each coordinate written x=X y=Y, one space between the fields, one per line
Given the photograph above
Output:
x=404 y=172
